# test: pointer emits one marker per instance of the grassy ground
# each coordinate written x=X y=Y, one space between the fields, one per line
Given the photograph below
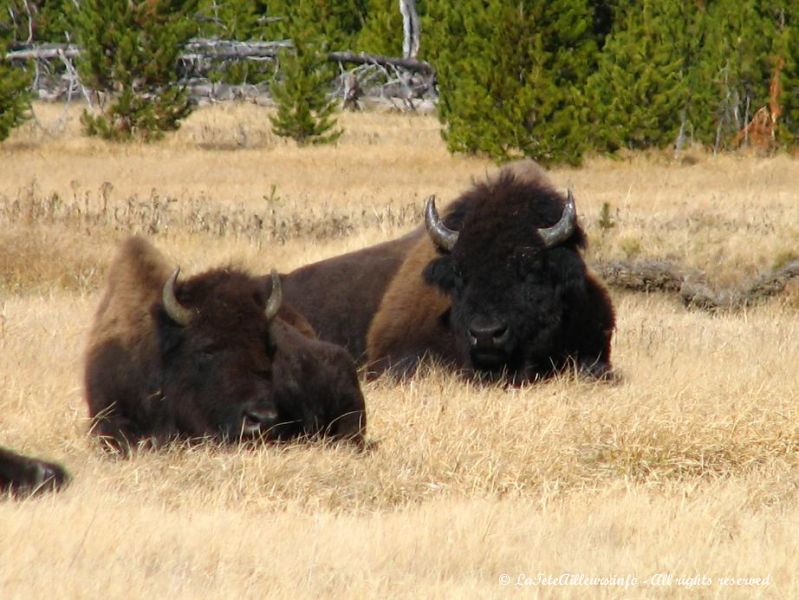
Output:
x=686 y=468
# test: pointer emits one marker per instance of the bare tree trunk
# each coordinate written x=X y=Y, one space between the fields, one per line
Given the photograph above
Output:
x=410 y=28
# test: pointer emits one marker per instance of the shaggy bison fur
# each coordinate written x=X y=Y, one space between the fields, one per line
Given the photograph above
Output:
x=497 y=290
x=210 y=356
x=22 y=475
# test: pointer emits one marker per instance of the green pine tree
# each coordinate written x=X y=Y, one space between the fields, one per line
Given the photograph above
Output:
x=511 y=75
x=639 y=94
x=129 y=57
x=336 y=21
x=733 y=69
x=305 y=110
x=240 y=20
x=35 y=20
x=382 y=30
x=15 y=93
x=231 y=20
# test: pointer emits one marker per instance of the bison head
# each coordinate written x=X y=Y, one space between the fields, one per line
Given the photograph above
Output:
x=216 y=353
x=510 y=263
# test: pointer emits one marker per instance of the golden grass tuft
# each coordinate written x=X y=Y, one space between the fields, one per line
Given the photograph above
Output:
x=687 y=466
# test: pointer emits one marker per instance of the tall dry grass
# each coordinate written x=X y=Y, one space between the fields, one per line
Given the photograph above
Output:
x=686 y=467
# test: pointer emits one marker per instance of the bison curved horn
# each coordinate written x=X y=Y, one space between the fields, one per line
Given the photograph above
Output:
x=444 y=237
x=563 y=229
x=275 y=298
x=176 y=311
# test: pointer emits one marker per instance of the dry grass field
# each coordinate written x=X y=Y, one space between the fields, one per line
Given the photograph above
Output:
x=679 y=481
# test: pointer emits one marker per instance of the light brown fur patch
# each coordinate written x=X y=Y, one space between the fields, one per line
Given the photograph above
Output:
x=410 y=308
x=524 y=170
x=135 y=282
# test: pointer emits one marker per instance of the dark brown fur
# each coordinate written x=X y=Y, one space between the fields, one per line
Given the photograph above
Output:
x=148 y=378
x=340 y=295
x=22 y=475
x=499 y=271
x=416 y=302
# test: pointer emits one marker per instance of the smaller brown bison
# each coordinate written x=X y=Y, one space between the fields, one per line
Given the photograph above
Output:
x=213 y=356
x=21 y=475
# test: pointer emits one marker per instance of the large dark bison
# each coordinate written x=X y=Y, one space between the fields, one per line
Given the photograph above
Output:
x=497 y=288
x=216 y=355
x=22 y=475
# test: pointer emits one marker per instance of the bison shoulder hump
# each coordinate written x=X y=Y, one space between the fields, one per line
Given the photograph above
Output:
x=410 y=308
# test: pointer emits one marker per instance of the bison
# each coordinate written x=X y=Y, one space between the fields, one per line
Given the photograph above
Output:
x=21 y=475
x=497 y=288
x=217 y=355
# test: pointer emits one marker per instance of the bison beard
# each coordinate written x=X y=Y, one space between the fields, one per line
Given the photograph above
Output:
x=497 y=290
x=21 y=475
x=210 y=357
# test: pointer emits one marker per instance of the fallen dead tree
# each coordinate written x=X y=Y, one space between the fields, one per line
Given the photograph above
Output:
x=408 y=81
x=690 y=286
x=647 y=276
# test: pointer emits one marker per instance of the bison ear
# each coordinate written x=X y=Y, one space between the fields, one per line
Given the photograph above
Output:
x=441 y=272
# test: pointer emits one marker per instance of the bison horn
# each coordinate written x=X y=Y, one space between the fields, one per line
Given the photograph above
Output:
x=275 y=298
x=176 y=311
x=563 y=229
x=444 y=237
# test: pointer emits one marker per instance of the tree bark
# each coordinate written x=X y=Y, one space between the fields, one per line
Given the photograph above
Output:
x=417 y=66
x=410 y=29
x=224 y=49
x=659 y=276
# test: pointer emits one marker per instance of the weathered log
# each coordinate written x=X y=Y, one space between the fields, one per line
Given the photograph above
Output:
x=408 y=80
x=764 y=287
x=416 y=66
x=43 y=52
x=698 y=295
x=228 y=49
x=661 y=276
x=647 y=276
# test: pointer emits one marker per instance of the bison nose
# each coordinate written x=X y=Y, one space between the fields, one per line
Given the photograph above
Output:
x=488 y=334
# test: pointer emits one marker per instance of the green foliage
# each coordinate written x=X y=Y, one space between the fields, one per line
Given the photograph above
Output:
x=14 y=94
x=129 y=57
x=382 y=31
x=786 y=47
x=35 y=20
x=640 y=92
x=730 y=79
x=336 y=21
x=548 y=80
x=240 y=20
x=511 y=75
x=305 y=111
